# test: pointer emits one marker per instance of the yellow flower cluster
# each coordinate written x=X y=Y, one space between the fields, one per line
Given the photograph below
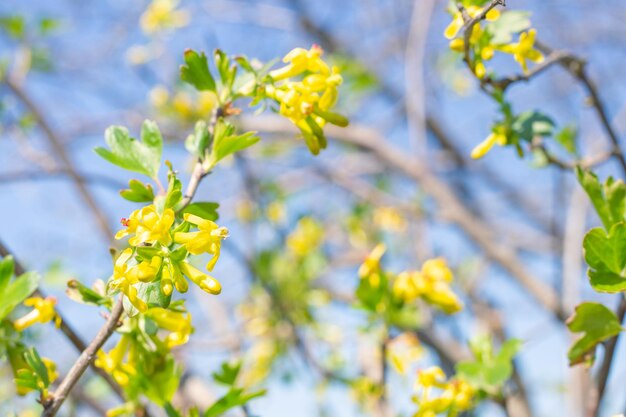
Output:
x=457 y=19
x=436 y=395
x=370 y=268
x=42 y=312
x=308 y=101
x=431 y=284
x=113 y=362
x=181 y=105
x=308 y=236
x=122 y=361
x=522 y=51
x=147 y=226
x=161 y=15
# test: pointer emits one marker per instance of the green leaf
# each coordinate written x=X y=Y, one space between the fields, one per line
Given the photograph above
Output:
x=531 y=124
x=126 y=152
x=606 y=256
x=170 y=410
x=35 y=363
x=608 y=199
x=7 y=266
x=566 y=137
x=597 y=323
x=85 y=295
x=508 y=24
x=198 y=141
x=17 y=291
x=196 y=71
x=234 y=398
x=14 y=26
x=487 y=371
x=138 y=192
x=226 y=143
x=228 y=373
x=205 y=210
x=162 y=385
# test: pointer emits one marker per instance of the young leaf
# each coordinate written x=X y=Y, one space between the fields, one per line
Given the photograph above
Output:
x=566 y=137
x=205 y=210
x=83 y=294
x=198 y=141
x=608 y=199
x=126 y=152
x=138 y=192
x=597 y=323
x=531 y=124
x=196 y=71
x=234 y=398
x=489 y=372
x=227 y=375
x=606 y=256
x=509 y=23
x=17 y=291
x=6 y=271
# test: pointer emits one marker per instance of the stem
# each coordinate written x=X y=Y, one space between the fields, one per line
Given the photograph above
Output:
x=85 y=359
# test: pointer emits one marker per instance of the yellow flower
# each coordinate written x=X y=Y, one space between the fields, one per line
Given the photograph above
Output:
x=112 y=362
x=124 y=280
x=162 y=14
x=524 y=50
x=496 y=137
x=276 y=212
x=404 y=350
x=307 y=102
x=457 y=20
x=433 y=286
x=307 y=237
x=148 y=226
x=437 y=269
x=405 y=286
x=159 y=96
x=178 y=323
x=371 y=265
x=204 y=281
x=389 y=218
x=453 y=395
x=300 y=60
x=208 y=238
x=42 y=312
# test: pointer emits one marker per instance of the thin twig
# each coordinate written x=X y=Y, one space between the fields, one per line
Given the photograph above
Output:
x=65 y=328
x=85 y=359
x=57 y=145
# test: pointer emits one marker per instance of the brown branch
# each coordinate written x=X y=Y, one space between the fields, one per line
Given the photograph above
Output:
x=451 y=208
x=85 y=360
x=57 y=145
x=65 y=328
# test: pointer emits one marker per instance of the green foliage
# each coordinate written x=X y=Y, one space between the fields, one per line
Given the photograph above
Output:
x=198 y=141
x=85 y=295
x=126 y=152
x=531 y=124
x=235 y=397
x=489 y=371
x=196 y=71
x=566 y=137
x=205 y=210
x=34 y=376
x=597 y=323
x=12 y=293
x=225 y=142
x=608 y=199
x=14 y=26
x=606 y=256
x=228 y=373
x=138 y=192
